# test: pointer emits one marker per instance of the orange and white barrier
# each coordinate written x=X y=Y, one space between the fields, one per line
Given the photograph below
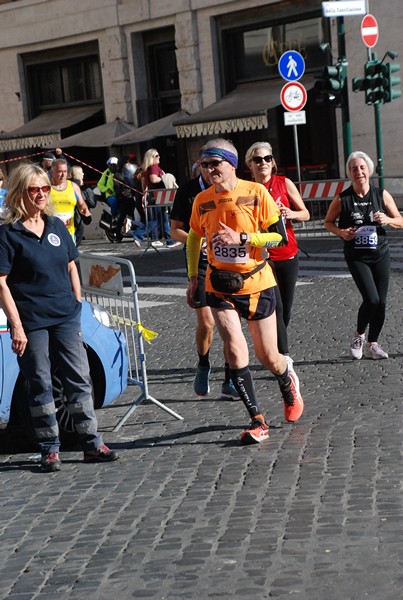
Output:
x=164 y=197
x=323 y=189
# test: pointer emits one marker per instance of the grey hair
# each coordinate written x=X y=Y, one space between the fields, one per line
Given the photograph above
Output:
x=365 y=158
x=222 y=143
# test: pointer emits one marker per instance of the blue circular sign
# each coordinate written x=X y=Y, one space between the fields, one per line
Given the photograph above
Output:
x=291 y=65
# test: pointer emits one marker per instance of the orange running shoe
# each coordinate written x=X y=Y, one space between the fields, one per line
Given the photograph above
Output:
x=293 y=401
x=255 y=433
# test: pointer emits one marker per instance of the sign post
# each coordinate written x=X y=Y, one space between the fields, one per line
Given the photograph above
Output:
x=370 y=35
x=293 y=95
x=341 y=9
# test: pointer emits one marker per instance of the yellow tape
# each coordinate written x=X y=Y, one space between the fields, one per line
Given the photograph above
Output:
x=122 y=321
x=147 y=334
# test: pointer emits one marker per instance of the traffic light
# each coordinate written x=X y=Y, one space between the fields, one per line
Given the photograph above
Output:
x=330 y=84
x=378 y=82
x=359 y=84
x=390 y=81
x=374 y=76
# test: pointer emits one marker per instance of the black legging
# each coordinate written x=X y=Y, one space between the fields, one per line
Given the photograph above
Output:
x=372 y=280
x=286 y=273
x=125 y=208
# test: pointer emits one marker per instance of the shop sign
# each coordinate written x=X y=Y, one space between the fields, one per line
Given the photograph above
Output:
x=37 y=141
x=225 y=126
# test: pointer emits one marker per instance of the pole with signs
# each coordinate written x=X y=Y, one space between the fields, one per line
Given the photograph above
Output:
x=370 y=36
x=293 y=95
x=345 y=110
x=341 y=9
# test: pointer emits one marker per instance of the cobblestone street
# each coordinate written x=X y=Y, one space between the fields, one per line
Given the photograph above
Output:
x=187 y=513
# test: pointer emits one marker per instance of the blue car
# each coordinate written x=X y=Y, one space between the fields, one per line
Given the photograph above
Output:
x=108 y=359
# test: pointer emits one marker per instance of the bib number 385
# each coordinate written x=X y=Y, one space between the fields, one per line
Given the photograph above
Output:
x=366 y=238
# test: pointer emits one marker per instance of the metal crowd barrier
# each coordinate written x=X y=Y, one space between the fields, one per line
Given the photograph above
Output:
x=111 y=283
x=156 y=202
x=317 y=195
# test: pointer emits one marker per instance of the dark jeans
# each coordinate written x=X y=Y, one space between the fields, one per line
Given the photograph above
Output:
x=140 y=231
x=66 y=344
x=113 y=203
x=125 y=208
x=161 y=216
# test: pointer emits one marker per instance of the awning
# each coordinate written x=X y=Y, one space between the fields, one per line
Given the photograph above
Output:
x=160 y=128
x=245 y=108
x=97 y=137
x=45 y=129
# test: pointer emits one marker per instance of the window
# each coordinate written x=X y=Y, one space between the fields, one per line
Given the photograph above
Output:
x=161 y=75
x=70 y=82
x=250 y=46
x=253 y=53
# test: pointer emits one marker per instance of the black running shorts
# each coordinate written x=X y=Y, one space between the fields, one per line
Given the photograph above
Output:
x=252 y=307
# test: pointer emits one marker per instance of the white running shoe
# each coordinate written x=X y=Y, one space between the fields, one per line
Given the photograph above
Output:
x=290 y=362
x=293 y=401
x=156 y=243
x=127 y=225
x=374 y=351
x=356 y=347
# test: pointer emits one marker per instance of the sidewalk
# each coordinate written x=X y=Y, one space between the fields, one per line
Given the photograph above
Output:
x=315 y=512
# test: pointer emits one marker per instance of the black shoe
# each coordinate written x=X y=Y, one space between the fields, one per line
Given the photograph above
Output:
x=100 y=455
x=50 y=462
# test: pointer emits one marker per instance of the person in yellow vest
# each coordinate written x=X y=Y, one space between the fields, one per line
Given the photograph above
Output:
x=65 y=195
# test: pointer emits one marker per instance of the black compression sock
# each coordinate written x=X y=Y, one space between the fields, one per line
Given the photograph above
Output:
x=242 y=380
x=204 y=360
x=284 y=380
x=227 y=374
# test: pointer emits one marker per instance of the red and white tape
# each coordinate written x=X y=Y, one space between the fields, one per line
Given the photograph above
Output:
x=77 y=160
x=20 y=157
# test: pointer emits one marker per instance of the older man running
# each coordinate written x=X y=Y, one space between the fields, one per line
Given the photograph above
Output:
x=239 y=218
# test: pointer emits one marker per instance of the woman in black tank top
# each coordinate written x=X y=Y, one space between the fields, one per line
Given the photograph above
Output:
x=363 y=212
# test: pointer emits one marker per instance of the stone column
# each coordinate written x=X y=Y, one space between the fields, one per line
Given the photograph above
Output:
x=188 y=61
x=115 y=75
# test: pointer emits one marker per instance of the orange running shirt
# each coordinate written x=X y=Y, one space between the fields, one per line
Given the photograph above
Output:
x=249 y=208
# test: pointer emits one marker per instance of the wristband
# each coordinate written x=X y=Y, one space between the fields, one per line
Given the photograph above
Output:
x=243 y=237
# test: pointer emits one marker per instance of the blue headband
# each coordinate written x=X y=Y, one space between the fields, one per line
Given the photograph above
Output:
x=225 y=154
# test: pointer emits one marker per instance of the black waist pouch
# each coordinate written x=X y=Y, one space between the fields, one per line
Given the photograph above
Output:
x=229 y=282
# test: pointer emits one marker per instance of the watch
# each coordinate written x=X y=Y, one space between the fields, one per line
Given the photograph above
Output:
x=243 y=238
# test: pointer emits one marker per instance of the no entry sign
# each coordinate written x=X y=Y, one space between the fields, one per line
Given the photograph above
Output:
x=369 y=31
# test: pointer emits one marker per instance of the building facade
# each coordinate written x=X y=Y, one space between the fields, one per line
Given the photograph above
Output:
x=67 y=67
